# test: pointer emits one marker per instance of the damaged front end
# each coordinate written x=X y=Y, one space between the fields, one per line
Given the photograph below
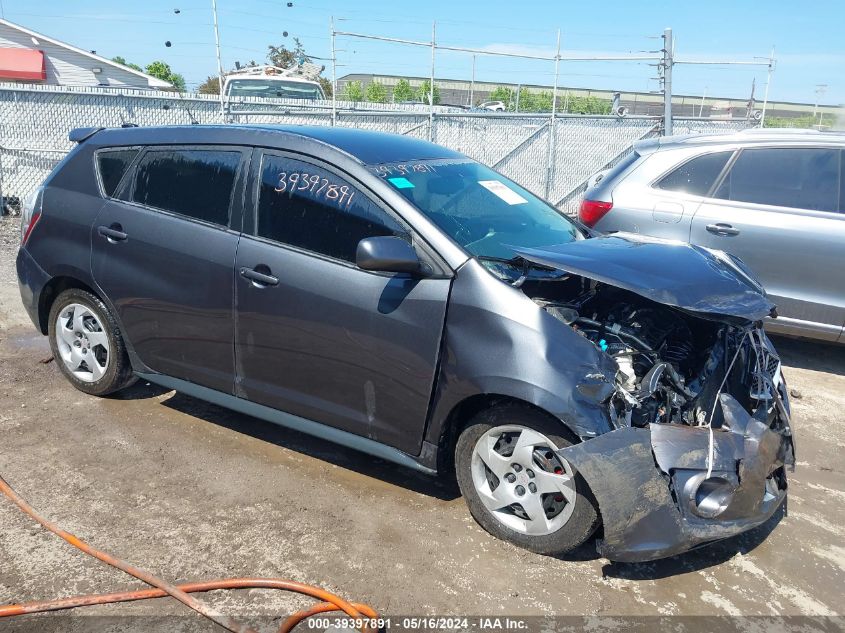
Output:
x=699 y=406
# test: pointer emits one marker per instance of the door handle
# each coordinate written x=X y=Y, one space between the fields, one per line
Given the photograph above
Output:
x=722 y=229
x=113 y=233
x=259 y=278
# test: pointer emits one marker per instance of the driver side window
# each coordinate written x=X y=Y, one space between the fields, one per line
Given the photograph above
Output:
x=309 y=207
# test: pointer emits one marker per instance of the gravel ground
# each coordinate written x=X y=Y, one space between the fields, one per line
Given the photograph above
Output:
x=191 y=491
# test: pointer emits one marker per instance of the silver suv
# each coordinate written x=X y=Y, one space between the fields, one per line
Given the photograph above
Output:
x=775 y=199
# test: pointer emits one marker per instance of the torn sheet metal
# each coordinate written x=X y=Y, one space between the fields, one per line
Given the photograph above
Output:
x=641 y=480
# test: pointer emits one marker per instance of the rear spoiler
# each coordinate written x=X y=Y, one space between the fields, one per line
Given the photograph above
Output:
x=80 y=134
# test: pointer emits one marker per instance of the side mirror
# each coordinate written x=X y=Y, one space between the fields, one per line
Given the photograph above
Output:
x=387 y=254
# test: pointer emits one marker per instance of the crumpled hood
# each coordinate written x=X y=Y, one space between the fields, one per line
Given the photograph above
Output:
x=669 y=272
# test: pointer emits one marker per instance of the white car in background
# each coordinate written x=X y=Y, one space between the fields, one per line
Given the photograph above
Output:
x=493 y=106
x=273 y=82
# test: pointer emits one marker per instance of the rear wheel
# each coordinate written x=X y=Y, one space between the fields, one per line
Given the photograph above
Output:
x=87 y=343
x=517 y=487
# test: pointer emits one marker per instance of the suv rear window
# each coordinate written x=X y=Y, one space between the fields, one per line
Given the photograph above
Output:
x=696 y=176
x=802 y=178
x=111 y=165
x=196 y=183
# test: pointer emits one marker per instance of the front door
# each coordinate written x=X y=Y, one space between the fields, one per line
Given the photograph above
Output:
x=779 y=210
x=318 y=337
x=164 y=255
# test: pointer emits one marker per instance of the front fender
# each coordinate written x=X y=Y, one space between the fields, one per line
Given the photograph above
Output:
x=498 y=341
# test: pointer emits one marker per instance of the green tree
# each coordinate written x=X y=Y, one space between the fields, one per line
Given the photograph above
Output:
x=353 y=91
x=808 y=121
x=403 y=91
x=503 y=94
x=326 y=85
x=527 y=101
x=161 y=70
x=376 y=92
x=285 y=57
x=424 y=92
x=120 y=60
x=543 y=101
x=210 y=86
x=588 y=105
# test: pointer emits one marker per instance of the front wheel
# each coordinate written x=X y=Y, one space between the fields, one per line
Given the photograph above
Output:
x=517 y=487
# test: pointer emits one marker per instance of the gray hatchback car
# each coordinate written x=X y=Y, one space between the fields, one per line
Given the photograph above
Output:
x=398 y=298
x=775 y=199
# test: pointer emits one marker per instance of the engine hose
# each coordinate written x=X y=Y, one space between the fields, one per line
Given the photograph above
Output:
x=645 y=347
x=162 y=588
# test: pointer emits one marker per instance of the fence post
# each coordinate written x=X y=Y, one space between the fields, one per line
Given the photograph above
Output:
x=2 y=199
x=334 y=75
x=668 y=61
x=431 y=85
x=551 y=156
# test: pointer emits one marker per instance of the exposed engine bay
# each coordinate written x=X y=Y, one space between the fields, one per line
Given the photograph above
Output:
x=671 y=364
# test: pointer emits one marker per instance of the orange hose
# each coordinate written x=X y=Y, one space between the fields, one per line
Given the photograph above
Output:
x=162 y=588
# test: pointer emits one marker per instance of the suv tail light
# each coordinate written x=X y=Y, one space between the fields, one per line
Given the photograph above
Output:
x=31 y=213
x=592 y=211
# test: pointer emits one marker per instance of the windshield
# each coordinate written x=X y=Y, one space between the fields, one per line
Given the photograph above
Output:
x=484 y=212
x=273 y=89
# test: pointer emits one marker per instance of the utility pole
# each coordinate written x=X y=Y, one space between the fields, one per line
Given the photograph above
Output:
x=701 y=107
x=820 y=90
x=219 y=62
x=668 y=62
x=768 y=81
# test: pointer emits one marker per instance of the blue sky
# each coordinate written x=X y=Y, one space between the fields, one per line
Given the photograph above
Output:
x=810 y=47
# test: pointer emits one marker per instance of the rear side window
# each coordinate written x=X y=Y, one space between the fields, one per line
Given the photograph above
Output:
x=696 y=176
x=111 y=165
x=309 y=207
x=802 y=178
x=196 y=183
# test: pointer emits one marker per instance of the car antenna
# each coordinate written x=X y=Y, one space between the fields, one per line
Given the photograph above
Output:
x=186 y=108
x=125 y=123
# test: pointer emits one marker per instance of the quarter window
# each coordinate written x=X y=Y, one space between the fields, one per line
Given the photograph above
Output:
x=112 y=164
x=196 y=183
x=309 y=207
x=800 y=178
x=696 y=176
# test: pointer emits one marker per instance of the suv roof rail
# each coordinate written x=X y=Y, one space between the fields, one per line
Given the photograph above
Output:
x=779 y=130
x=80 y=134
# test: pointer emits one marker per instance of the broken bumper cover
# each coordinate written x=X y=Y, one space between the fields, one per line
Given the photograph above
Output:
x=653 y=489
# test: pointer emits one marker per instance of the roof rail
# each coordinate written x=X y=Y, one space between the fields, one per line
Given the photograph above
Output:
x=778 y=130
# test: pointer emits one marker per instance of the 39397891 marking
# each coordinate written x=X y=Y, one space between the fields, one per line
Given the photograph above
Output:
x=316 y=186
x=346 y=623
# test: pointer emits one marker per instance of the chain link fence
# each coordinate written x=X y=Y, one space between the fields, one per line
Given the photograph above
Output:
x=550 y=157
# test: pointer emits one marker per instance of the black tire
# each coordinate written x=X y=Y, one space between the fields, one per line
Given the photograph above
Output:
x=585 y=516
x=118 y=373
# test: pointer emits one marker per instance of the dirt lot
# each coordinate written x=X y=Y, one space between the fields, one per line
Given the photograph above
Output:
x=192 y=491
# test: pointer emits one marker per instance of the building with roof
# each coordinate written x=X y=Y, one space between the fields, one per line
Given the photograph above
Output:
x=34 y=58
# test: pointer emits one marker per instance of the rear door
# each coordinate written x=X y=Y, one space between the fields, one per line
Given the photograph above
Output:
x=780 y=210
x=163 y=252
x=317 y=336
